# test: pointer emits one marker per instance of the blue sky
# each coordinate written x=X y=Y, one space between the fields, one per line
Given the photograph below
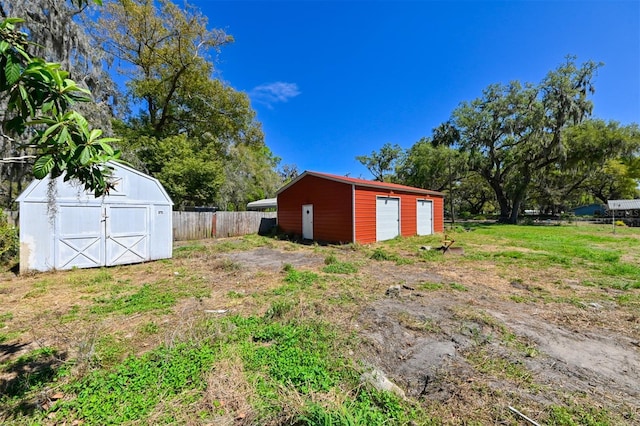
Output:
x=331 y=80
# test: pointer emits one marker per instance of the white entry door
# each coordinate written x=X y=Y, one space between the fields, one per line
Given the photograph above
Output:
x=127 y=234
x=387 y=218
x=307 y=221
x=425 y=217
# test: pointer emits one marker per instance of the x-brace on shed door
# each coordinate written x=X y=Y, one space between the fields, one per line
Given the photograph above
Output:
x=93 y=236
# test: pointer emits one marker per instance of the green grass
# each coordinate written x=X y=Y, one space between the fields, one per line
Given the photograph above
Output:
x=499 y=367
x=189 y=250
x=458 y=287
x=306 y=357
x=300 y=278
x=7 y=316
x=429 y=286
x=576 y=415
x=31 y=371
x=133 y=388
x=370 y=407
x=147 y=298
x=299 y=367
x=593 y=250
x=340 y=268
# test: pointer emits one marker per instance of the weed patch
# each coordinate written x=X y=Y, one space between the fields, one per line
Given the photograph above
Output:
x=148 y=298
x=458 y=287
x=574 y=415
x=499 y=367
x=29 y=372
x=379 y=254
x=133 y=388
x=301 y=278
x=428 y=286
x=340 y=268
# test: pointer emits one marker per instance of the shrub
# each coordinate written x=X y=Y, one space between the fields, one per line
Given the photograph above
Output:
x=9 y=241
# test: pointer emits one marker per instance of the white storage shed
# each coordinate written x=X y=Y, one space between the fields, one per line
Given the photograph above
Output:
x=62 y=226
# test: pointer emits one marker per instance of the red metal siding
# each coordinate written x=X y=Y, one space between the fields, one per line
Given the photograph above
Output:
x=365 y=213
x=438 y=213
x=331 y=209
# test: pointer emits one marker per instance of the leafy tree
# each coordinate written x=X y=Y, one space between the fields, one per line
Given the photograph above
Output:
x=54 y=34
x=514 y=132
x=473 y=196
x=605 y=156
x=166 y=51
x=250 y=176
x=288 y=172
x=39 y=98
x=192 y=176
x=598 y=163
x=431 y=166
x=380 y=164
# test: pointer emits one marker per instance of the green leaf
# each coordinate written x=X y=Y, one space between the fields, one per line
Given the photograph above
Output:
x=86 y=155
x=11 y=71
x=43 y=166
x=50 y=130
x=25 y=100
x=95 y=133
x=64 y=137
x=105 y=147
x=82 y=122
x=47 y=106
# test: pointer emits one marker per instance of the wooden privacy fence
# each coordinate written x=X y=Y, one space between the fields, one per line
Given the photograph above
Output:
x=199 y=225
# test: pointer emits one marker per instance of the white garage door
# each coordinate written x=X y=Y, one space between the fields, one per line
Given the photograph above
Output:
x=387 y=218
x=425 y=217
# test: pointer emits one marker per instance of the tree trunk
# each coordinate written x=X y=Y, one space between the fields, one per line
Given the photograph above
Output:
x=519 y=196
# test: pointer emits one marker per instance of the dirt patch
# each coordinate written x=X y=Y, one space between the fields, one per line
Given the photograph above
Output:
x=273 y=260
x=423 y=341
x=423 y=338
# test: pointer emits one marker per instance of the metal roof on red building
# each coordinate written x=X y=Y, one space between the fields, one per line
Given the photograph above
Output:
x=362 y=182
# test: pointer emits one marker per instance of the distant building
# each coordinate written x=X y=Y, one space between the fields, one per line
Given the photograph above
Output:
x=590 y=210
x=265 y=204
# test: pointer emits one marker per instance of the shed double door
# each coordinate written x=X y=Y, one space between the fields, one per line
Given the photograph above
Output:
x=94 y=236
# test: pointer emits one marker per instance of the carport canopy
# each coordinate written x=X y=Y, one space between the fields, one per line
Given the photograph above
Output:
x=623 y=204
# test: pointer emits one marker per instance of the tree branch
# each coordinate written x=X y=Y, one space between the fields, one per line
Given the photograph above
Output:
x=22 y=159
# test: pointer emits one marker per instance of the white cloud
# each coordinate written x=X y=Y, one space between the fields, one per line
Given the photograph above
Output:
x=272 y=93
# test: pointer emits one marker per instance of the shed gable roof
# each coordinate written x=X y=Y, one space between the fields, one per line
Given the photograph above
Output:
x=362 y=183
x=36 y=186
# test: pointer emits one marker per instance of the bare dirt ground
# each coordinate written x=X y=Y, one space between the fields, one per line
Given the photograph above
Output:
x=438 y=338
x=419 y=338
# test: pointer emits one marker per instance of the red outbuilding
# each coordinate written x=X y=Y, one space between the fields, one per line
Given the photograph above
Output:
x=330 y=208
